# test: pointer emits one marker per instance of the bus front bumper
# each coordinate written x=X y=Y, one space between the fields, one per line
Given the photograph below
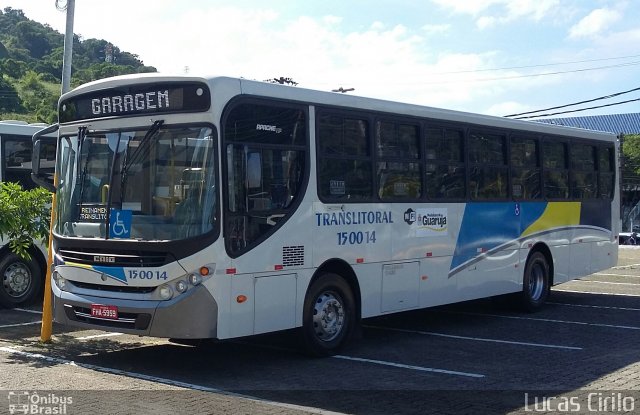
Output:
x=192 y=315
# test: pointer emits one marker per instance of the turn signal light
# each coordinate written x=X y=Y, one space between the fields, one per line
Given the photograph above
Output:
x=241 y=298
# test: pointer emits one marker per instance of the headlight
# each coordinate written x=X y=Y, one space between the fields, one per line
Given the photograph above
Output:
x=181 y=286
x=165 y=292
x=195 y=279
x=60 y=282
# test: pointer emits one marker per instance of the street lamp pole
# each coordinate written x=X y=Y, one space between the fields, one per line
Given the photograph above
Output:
x=68 y=46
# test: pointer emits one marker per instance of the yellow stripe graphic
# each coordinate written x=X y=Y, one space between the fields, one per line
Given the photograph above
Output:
x=556 y=215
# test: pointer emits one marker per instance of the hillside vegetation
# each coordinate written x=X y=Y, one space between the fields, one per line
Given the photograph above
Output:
x=31 y=66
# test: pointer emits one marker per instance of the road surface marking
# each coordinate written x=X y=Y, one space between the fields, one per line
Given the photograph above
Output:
x=594 y=293
x=99 y=335
x=596 y=306
x=4 y=326
x=546 y=320
x=403 y=366
x=164 y=381
x=481 y=339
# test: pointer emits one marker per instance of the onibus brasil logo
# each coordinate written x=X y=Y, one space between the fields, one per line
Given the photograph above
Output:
x=25 y=402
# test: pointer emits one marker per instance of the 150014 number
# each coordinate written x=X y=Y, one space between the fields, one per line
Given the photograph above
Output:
x=356 y=238
x=147 y=275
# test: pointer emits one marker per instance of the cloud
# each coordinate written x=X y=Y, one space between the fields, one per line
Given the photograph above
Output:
x=488 y=13
x=377 y=57
x=594 y=23
x=472 y=7
x=435 y=29
x=509 y=107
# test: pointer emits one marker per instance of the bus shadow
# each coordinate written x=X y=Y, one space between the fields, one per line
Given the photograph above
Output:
x=273 y=368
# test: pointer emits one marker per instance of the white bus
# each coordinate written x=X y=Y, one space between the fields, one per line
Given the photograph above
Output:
x=21 y=279
x=217 y=208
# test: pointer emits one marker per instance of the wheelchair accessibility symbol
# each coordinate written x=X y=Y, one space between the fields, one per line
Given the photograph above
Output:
x=120 y=223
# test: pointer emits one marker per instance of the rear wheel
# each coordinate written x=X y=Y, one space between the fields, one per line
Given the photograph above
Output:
x=20 y=281
x=535 y=284
x=329 y=315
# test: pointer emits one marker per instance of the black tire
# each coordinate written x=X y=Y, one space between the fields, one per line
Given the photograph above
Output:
x=20 y=281
x=535 y=283
x=329 y=316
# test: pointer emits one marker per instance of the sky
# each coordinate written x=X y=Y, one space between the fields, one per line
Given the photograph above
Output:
x=495 y=57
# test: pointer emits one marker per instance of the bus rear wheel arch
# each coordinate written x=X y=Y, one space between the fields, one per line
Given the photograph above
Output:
x=329 y=316
x=20 y=280
x=536 y=282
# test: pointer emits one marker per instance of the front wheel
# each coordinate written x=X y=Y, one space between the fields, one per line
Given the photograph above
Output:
x=20 y=281
x=329 y=315
x=535 y=283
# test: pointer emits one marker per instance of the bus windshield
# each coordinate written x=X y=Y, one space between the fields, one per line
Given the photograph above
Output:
x=150 y=184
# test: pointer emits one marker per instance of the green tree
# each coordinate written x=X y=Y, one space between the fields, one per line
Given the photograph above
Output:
x=24 y=216
x=9 y=99
x=13 y=68
x=630 y=181
x=32 y=36
x=31 y=63
x=631 y=152
x=37 y=99
x=4 y=53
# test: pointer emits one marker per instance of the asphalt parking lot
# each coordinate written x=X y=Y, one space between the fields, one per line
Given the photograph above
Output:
x=476 y=357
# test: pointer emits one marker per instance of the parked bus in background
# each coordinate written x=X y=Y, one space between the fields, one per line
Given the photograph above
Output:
x=218 y=207
x=21 y=279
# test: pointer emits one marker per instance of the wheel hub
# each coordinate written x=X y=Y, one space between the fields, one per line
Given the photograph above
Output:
x=328 y=317
x=16 y=280
x=536 y=282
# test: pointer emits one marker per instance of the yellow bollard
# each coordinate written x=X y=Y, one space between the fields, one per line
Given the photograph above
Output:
x=47 y=308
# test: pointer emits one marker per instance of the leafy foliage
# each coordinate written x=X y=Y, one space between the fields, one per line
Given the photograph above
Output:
x=631 y=152
x=24 y=214
x=31 y=63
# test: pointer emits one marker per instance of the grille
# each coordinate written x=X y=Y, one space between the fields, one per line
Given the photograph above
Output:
x=113 y=288
x=121 y=259
x=293 y=256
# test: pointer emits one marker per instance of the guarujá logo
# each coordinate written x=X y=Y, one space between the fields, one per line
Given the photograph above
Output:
x=429 y=222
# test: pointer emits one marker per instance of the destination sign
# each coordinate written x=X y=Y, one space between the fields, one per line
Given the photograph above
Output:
x=137 y=99
x=93 y=213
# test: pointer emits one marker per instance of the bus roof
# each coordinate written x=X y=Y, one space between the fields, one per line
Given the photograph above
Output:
x=15 y=127
x=336 y=99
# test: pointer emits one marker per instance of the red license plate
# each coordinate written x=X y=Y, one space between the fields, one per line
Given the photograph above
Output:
x=104 y=311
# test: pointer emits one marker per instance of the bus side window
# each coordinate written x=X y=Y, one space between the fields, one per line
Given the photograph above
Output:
x=344 y=159
x=17 y=159
x=556 y=172
x=398 y=169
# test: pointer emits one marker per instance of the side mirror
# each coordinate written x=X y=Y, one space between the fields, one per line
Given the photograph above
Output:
x=43 y=175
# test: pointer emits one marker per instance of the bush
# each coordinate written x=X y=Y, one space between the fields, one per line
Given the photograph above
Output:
x=24 y=216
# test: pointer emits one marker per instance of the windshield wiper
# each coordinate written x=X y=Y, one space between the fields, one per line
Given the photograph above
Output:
x=137 y=154
x=126 y=165
x=144 y=142
x=82 y=135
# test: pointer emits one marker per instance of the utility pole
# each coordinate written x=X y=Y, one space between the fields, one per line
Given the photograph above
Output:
x=68 y=44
